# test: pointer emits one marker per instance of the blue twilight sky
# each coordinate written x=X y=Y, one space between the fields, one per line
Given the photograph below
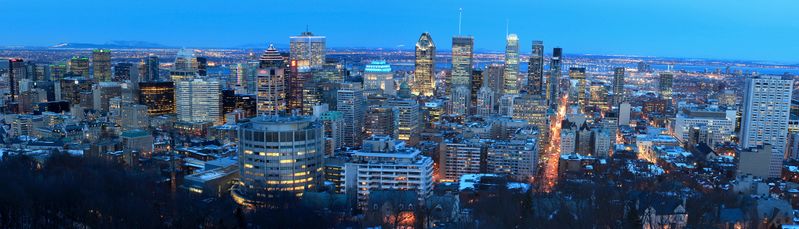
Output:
x=727 y=29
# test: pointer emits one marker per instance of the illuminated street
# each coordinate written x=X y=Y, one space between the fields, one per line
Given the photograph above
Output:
x=552 y=154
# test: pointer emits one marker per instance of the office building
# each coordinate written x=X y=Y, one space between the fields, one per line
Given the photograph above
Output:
x=17 y=71
x=462 y=55
x=352 y=105
x=424 y=74
x=150 y=68
x=101 y=60
x=198 y=101
x=270 y=83
x=535 y=70
x=665 y=83
x=408 y=119
x=555 y=73
x=378 y=79
x=618 y=86
x=511 y=73
x=278 y=154
x=159 y=97
x=307 y=50
x=79 y=66
x=578 y=87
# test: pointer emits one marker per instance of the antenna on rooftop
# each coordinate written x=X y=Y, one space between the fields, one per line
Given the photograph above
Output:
x=507 y=21
x=460 y=16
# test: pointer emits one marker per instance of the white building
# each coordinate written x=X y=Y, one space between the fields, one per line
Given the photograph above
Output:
x=387 y=164
x=720 y=124
x=377 y=77
x=766 y=110
x=198 y=100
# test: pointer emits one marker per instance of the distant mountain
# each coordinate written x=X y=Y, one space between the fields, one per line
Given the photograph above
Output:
x=112 y=44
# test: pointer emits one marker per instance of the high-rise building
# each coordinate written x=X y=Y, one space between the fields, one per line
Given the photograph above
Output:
x=101 y=60
x=462 y=156
x=618 y=86
x=766 y=110
x=17 y=71
x=493 y=78
x=408 y=119
x=198 y=101
x=462 y=55
x=516 y=157
x=665 y=83
x=79 y=66
x=380 y=120
x=459 y=84
x=271 y=80
x=555 y=72
x=351 y=103
x=511 y=73
x=378 y=79
x=424 y=73
x=387 y=164
x=485 y=101
x=598 y=96
x=578 y=87
x=279 y=154
x=159 y=97
x=307 y=50
x=202 y=66
x=535 y=69
x=150 y=69
x=185 y=66
x=298 y=76
x=624 y=113
x=533 y=109
x=122 y=72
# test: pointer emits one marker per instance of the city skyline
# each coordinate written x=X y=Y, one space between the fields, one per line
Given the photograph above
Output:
x=706 y=29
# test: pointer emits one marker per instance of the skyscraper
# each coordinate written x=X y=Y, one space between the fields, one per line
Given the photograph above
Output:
x=380 y=120
x=378 y=78
x=555 y=72
x=122 y=71
x=351 y=103
x=202 y=66
x=279 y=154
x=101 y=58
x=271 y=88
x=665 y=82
x=79 y=66
x=408 y=119
x=159 y=97
x=535 y=69
x=198 y=101
x=424 y=73
x=578 y=87
x=185 y=66
x=150 y=67
x=307 y=50
x=766 y=110
x=460 y=82
x=17 y=72
x=618 y=86
x=511 y=73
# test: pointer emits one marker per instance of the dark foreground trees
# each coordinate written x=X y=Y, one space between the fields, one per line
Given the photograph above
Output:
x=73 y=192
